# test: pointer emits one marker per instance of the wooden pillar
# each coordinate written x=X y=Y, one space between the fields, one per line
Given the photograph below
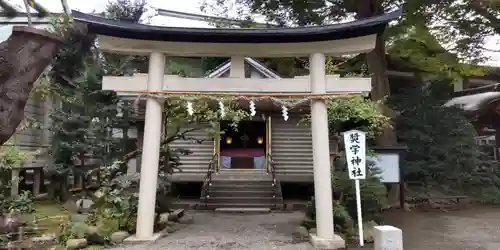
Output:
x=37 y=181
x=497 y=142
x=14 y=188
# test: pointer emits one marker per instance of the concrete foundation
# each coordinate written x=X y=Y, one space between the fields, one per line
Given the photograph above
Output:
x=327 y=244
x=133 y=239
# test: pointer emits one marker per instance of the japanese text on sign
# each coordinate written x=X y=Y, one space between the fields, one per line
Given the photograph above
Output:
x=355 y=151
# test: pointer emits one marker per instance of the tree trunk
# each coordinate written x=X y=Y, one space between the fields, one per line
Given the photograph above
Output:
x=377 y=65
x=23 y=58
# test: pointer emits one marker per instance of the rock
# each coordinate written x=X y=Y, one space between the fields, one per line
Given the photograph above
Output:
x=78 y=229
x=76 y=244
x=93 y=235
x=44 y=238
x=26 y=244
x=83 y=205
x=78 y=218
x=300 y=235
x=186 y=220
x=119 y=237
x=170 y=229
x=176 y=215
x=368 y=231
x=71 y=206
x=407 y=207
x=309 y=223
x=177 y=226
x=10 y=223
x=98 y=194
x=163 y=219
x=313 y=231
x=92 y=230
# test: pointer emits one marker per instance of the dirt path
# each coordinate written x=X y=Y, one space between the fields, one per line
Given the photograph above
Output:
x=233 y=231
x=470 y=229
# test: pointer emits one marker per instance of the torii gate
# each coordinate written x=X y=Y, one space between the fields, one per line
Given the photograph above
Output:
x=315 y=42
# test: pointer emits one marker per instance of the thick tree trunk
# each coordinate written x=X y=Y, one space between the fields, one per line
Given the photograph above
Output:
x=23 y=58
x=377 y=66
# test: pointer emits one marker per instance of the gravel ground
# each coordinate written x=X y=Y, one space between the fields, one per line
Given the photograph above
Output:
x=233 y=231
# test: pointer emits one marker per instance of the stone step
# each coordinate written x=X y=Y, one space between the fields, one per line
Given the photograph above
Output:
x=243 y=210
x=243 y=171
x=210 y=205
x=251 y=178
x=241 y=193
x=227 y=187
x=243 y=200
x=242 y=182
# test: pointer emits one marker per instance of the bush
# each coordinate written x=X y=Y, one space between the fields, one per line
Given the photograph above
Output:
x=373 y=198
x=21 y=204
x=118 y=202
x=443 y=155
x=356 y=112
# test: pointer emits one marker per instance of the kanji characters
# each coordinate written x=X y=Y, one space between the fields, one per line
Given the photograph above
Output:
x=356 y=160
x=354 y=138
x=355 y=148
x=356 y=172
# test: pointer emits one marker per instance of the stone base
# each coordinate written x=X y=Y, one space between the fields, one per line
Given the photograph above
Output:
x=134 y=240
x=321 y=243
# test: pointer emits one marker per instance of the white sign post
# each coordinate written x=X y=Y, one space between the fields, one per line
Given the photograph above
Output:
x=355 y=152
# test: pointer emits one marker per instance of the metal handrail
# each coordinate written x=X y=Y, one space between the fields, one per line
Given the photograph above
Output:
x=207 y=182
x=272 y=170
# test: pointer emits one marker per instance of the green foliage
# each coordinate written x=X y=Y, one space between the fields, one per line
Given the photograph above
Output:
x=117 y=203
x=356 y=112
x=205 y=111
x=418 y=37
x=82 y=124
x=344 y=114
x=373 y=198
x=20 y=204
x=442 y=152
x=76 y=52
x=11 y=157
x=71 y=230
x=126 y=10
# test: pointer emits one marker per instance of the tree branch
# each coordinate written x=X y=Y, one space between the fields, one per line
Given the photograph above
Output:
x=479 y=8
x=177 y=136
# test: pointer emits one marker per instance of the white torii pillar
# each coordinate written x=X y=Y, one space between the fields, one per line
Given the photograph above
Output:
x=325 y=237
x=150 y=151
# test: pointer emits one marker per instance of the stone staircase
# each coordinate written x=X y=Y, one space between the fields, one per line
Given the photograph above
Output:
x=242 y=191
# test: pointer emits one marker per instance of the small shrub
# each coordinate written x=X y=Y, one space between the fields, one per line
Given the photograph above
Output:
x=373 y=198
x=21 y=204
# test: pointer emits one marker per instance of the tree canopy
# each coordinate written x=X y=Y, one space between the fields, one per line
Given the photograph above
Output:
x=439 y=37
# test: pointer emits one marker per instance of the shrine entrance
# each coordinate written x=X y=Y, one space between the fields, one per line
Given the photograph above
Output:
x=317 y=43
x=243 y=146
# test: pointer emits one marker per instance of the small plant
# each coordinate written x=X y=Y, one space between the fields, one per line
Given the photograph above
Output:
x=344 y=202
x=71 y=230
x=22 y=203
